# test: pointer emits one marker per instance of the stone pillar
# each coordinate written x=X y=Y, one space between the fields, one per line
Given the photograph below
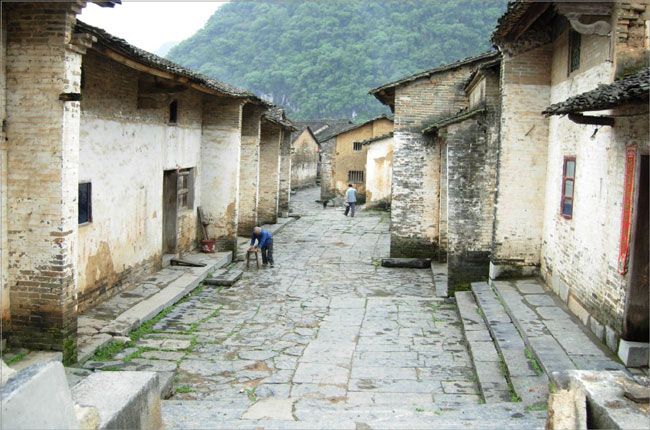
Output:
x=327 y=171
x=43 y=72
x=285 y=171
x=250 y=169
x=220 y=168
x=521 y=174
x=269 y=173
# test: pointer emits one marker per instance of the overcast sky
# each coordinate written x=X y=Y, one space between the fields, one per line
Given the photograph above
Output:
x=150 y=24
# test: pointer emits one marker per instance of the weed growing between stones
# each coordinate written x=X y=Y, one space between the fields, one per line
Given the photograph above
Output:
x=185 y=389
x=514 y=397
x=16 y=358
x=537 y=407
x=107 y=351
x=250 y=393
x=533 y=362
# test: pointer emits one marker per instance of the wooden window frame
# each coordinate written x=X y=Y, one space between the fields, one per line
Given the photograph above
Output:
x=354 y=175
x=563 y=196
x=89 y=203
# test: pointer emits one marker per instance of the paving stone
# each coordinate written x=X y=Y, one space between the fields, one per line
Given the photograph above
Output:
x=315 y=373
x=459 y=387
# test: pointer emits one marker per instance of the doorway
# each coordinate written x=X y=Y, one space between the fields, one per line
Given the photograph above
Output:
x=170 y=213
x=637 y=310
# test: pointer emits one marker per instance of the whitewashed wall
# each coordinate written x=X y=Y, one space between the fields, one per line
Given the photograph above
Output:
x=379 y=171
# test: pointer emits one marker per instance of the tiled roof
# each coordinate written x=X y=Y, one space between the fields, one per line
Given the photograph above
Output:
x=630 y=89
x=377 y=138
x=122 y=47
x=461 y=116
x=459 y=63
x=516 y=10
x=328 y=134
x=275 y=114
x=322 y=128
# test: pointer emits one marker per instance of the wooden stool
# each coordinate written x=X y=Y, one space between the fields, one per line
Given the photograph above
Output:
x=248 y=258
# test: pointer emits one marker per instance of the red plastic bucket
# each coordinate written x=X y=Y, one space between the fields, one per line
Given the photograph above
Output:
x=207 y=246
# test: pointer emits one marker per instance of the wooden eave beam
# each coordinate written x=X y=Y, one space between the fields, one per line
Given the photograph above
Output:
x=119 y=58
x=528 y=19
x=579 y=118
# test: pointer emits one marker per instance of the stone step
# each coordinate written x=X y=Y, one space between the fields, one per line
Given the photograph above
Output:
x=314 y=414
x=528 y=382
x=555 y=338
x=226 y=279
x=492 y=381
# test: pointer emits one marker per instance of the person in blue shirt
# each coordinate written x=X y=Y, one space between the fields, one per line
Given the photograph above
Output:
x=265 y=243
x=351 y=200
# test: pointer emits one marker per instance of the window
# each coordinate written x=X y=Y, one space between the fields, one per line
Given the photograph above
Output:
x=574 y=50
x=173 y=112
x=186 y=188
x=85 y=203
x=357 y=146
x=568 y=186
x=355 y=176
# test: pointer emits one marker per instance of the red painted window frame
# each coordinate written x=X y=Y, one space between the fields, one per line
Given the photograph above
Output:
x=563 y=191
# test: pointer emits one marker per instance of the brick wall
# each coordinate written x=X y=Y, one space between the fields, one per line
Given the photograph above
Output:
x=471 y=176
x=284 y=196
x=630 y=34
x=42 y=135
x=415 y=208
x=521 y=175
x=269 y=173
x=249 y=170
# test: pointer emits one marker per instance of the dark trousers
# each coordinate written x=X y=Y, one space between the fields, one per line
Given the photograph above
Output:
x=350 y=207
x=267 y=252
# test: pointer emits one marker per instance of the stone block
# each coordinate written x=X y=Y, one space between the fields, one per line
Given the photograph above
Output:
x=6 y=373
x=578 y=310
x=36 y=357
x=634 y=354
x=227 y=279
x=611 y=338
x=567 y=409
x=271 y=409
x=123 y=399
x=38 y=397
x=597 y=328
x=413 y=263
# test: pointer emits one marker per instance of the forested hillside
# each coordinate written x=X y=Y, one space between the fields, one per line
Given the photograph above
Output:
x=320 y=58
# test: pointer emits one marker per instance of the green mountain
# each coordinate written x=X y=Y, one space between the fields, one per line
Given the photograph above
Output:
x=320 y=58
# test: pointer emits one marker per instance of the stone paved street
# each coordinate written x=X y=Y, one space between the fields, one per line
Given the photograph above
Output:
x=327 y=338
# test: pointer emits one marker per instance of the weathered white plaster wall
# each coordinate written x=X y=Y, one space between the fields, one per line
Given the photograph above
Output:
x=379 y=171
x=304 y=160
x=580 y=255
x=4 y=256
x=123 y=153
x=519 y=209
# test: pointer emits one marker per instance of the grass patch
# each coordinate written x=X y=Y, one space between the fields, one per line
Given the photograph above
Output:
x=514 y=397
x=551 y=387
x=16 y=358
x=537 y=407
x=108 y=351
x=435 y=307
x=250 y=393
x=185 y=389
x=533 y=362
x=419 y=410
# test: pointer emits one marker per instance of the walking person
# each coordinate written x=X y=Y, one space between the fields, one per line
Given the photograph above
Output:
x=351 y=200
x=265 y=243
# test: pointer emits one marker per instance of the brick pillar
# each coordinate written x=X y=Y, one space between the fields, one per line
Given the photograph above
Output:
x=249 y=171
x=285 y=171
x=42 y=179
x=269 y=173
x=220 y=168
x=415 y=197
x=521 y=174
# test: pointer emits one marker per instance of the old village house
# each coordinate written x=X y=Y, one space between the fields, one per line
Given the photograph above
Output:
x=107 y=151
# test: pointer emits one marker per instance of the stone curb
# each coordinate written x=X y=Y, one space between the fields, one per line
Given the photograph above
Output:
x=148 y=308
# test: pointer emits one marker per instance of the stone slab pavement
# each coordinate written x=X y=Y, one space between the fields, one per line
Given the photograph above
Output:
x=556 y=338
x=326 y=339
